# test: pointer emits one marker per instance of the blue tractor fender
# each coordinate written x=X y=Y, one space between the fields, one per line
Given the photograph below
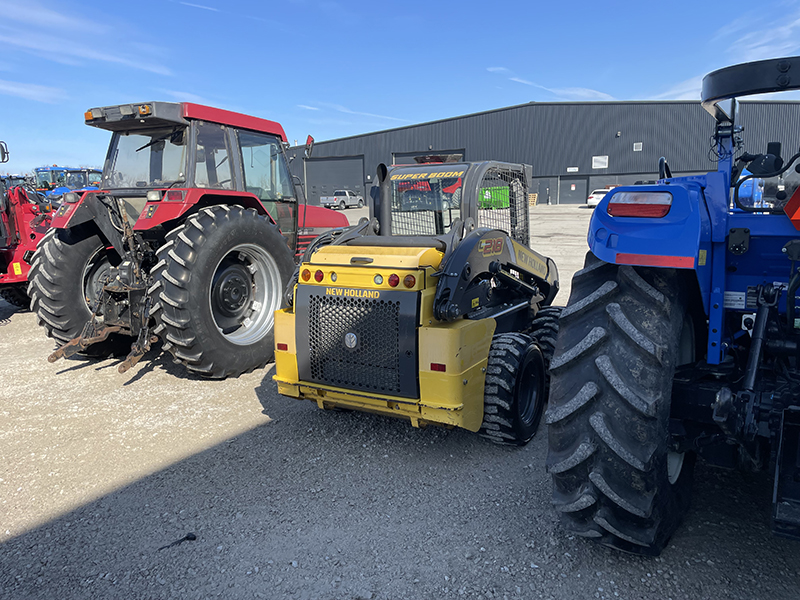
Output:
x=684 y=238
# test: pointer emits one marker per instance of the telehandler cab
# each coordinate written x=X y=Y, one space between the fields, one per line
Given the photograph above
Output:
x=434 y=309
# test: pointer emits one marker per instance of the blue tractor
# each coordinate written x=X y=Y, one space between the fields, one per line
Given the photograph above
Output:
x=681 y=337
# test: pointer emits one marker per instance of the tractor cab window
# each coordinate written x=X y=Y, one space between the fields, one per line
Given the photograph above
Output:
x=267 y=176
x=146 y=159
x=212 y=158
x=76 y=180
x=425 y=201
x=42 y=179
x=95 y=177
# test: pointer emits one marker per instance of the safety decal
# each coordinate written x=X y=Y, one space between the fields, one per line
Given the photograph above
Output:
x=17 y=268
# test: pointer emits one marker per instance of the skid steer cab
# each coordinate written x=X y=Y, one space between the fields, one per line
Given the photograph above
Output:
x=434 y=310
x=681 y=338
x=191 y=238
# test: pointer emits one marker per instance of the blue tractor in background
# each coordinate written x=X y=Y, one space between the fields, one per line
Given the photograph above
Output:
x=681 y=337
x=56 y=181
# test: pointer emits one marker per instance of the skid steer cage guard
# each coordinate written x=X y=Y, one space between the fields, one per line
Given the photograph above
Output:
x=502 y=202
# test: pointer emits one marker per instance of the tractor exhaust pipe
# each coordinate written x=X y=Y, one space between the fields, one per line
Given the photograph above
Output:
x=385 y=208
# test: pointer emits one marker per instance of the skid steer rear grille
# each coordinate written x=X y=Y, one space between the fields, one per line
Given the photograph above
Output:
x=357 y=343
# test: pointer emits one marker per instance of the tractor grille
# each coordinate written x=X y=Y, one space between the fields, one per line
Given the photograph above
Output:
x=366 y=344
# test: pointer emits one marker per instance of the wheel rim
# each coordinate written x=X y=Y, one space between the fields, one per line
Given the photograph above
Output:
x=94 y=276
x=686 y=355
x=530 y=389
x=244 y=294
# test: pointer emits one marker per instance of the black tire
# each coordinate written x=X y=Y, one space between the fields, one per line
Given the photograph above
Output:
x=614 y=477
x=204 y=292
x=65 y=277
x=544 y=329
x=514 y=393
x=342 y=205
x=360 y=204
x=16 y=296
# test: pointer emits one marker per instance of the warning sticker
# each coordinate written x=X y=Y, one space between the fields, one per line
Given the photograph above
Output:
x=17 y=268
x=735 y=300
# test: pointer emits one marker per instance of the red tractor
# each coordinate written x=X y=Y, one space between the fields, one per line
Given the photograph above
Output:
x=24 y=219
x=191 y=238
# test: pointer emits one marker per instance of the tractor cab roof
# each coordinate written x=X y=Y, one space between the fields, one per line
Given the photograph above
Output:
x=149 y=115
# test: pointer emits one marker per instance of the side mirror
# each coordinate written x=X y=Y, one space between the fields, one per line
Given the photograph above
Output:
x=3 y=152
x=309 y=146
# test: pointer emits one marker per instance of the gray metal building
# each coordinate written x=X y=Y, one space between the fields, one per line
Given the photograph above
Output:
x=573 y=147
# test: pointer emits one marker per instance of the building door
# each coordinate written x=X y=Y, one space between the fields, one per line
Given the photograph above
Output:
x=573 y=190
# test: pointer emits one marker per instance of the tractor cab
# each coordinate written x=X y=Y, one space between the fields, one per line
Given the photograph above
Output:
x=163 y=156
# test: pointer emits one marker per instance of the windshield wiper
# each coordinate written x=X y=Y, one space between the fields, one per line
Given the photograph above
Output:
x=155 y=141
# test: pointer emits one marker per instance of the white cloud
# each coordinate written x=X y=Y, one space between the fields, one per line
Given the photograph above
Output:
x=525 y=81
x=306 y=107
x=684 y=90
x=199 y=6
x=344 y=109
x=579 y=93
x=31 y=91
x=33 y=13
x=497 y=69
x=186 y=97
x=48 y=40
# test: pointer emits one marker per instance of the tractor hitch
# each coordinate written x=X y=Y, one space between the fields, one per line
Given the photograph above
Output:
x=92 y=333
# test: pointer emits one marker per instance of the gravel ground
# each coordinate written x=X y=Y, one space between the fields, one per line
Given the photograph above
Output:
x=98 y=471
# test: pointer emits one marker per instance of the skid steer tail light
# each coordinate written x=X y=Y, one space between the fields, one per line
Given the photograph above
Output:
x=283 y=347
x=640 y=204
x=438 y=367
x=393 y=280
x=318 y=276
x=409 y=281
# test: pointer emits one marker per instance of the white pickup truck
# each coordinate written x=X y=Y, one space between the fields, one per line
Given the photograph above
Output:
x=342 y=199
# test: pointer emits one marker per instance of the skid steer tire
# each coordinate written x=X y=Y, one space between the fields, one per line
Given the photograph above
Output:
x=218 y=280
x=16 y=296
x=65 y=277
x=544 y=329
x=614 y=477
x=514 y=393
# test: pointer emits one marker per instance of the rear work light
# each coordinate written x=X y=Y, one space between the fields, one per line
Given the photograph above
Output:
x=640 y=204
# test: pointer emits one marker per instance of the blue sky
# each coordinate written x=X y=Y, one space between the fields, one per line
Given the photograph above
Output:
x=334 y=69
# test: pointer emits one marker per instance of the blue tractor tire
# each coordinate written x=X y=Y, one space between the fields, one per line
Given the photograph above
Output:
x=615 y=477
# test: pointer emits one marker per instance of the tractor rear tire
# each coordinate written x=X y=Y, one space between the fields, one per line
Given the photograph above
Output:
x=615 y=478
x=66 y=275
x=16 y=296
x=514 y=393
x=219 y=279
